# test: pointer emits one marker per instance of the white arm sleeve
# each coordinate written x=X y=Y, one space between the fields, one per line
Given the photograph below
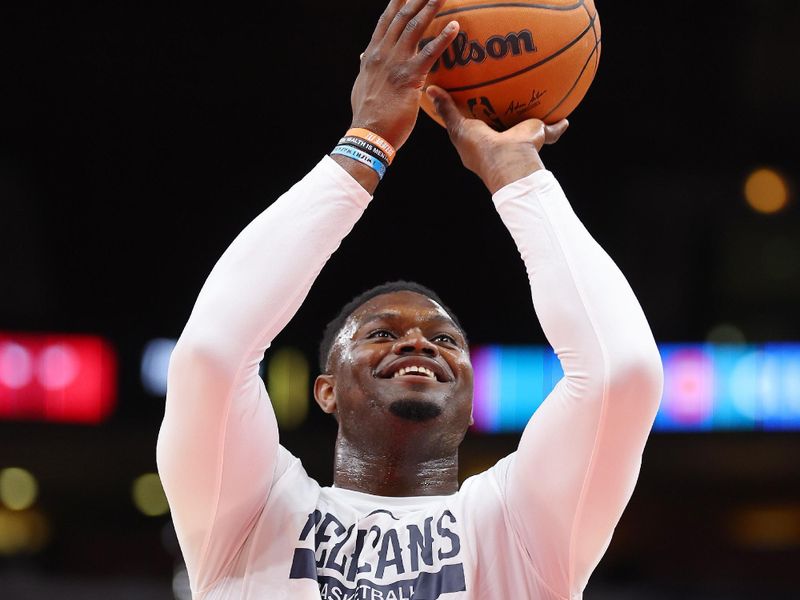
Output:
x=218 y=443
x=579 y=457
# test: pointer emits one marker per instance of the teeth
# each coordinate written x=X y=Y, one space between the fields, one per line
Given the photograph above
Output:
x=417 y=370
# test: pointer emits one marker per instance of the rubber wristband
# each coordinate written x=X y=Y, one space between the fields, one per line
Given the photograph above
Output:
x=361 y=157
x=362 y=144
x=374 y=138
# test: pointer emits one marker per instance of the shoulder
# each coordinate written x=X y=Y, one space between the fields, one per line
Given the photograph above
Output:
x=484 y=495
x=290 y=477
x=493 y=478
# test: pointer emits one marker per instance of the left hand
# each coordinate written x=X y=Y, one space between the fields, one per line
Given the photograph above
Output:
x=498 y=158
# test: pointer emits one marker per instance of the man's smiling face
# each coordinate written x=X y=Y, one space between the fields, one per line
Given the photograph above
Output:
x=399 y=356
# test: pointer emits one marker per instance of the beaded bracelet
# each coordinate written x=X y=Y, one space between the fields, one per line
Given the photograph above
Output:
x=362 y=144
x=361 y=157
x=374 y=139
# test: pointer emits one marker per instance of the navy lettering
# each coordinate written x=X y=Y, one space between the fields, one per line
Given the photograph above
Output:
x=443 y=531
x=343 y=550
x=322 y=537
x=420 y=545
x=354 y=568
x=390 y=542
x=427 y=586
x=313 y=519
x=332 y=564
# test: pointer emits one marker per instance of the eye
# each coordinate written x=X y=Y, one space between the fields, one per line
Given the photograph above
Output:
x=446 y=338
x=380 y=333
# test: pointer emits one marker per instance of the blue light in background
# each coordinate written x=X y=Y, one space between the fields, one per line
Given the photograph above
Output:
x=155 y=364
x=707 y=387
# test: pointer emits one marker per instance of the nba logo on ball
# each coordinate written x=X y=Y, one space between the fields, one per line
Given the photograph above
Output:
x=516 y=60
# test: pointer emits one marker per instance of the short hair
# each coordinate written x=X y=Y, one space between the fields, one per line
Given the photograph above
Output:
x=333 y=328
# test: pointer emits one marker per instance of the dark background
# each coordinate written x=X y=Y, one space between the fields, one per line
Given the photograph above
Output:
x=136 y=141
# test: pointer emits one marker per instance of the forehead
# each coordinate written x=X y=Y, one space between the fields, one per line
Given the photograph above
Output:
x=400 y=305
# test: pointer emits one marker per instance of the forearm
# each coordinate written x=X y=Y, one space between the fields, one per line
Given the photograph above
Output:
x=582 y=299
x=579 y=457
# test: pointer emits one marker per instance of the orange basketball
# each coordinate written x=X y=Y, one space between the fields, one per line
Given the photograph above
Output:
x=516 y=60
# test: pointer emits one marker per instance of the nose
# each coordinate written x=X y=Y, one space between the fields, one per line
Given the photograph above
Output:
x=414 y=342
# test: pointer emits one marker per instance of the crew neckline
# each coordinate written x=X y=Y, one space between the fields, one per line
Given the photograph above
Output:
x=388 y=500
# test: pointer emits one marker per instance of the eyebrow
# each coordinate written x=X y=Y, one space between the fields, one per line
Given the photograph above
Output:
x=391 y=314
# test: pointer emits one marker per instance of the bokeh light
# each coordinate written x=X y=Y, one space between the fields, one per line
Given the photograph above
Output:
x=148 y=495
x=62 y=378
x=16 y=365
x=767 y=527
x=18 y=488
x=288 y=385
x=723 y=386
x=22 y=532
x=766 y=191
x=155 y=365
x=180 y=584
x=59 y=365
x=726 y=333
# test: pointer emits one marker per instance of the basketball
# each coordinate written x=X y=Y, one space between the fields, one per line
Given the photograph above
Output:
x=516 y=60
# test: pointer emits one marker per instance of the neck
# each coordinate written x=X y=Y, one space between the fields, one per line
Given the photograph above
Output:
x=394 y=469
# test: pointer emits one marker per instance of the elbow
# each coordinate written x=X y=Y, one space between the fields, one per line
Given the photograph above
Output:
x=195 y=363
x=185 y=358
x=648 y=376
x=630 y=370
x=640 y=377
x=196 y=352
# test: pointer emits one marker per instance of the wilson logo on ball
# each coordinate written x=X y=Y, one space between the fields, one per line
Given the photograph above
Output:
x=505 y=78
x=464 y=50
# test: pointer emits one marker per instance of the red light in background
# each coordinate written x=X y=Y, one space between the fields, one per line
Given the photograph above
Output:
x=57 y=378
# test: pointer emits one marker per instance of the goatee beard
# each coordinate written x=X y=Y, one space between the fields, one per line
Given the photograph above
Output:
x=415 y=410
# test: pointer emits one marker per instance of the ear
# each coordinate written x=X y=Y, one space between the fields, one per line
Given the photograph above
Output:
x=325 y=393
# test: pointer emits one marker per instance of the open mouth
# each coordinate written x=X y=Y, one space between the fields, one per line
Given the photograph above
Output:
x=416 y=368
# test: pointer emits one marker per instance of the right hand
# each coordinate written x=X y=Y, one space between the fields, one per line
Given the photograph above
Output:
x=388 y=88
x=498 y=158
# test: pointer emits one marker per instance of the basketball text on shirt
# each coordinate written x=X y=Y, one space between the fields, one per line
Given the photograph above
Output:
x=381 y=557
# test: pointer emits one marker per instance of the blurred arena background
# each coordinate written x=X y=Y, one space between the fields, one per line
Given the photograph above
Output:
x=137 y=140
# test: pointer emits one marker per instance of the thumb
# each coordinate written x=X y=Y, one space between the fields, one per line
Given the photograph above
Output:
x=445 y=106
x=555 y=131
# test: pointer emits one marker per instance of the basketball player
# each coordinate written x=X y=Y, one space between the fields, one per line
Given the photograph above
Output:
x=397 y=376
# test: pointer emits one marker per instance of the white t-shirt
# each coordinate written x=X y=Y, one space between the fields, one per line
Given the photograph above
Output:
x=253 y=525
x=341 y=544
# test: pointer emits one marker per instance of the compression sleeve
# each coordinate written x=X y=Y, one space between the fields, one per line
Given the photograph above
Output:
x=218 y=443
x=580 y=454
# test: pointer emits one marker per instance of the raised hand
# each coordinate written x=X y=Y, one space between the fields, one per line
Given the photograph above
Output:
x=388 y=88
x=498 y=158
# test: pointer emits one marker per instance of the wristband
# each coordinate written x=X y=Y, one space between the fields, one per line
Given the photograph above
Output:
x=375 y=139
x=361 y=157
x=362 y=144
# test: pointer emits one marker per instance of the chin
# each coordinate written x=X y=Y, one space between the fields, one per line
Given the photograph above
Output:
x=415 y=410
